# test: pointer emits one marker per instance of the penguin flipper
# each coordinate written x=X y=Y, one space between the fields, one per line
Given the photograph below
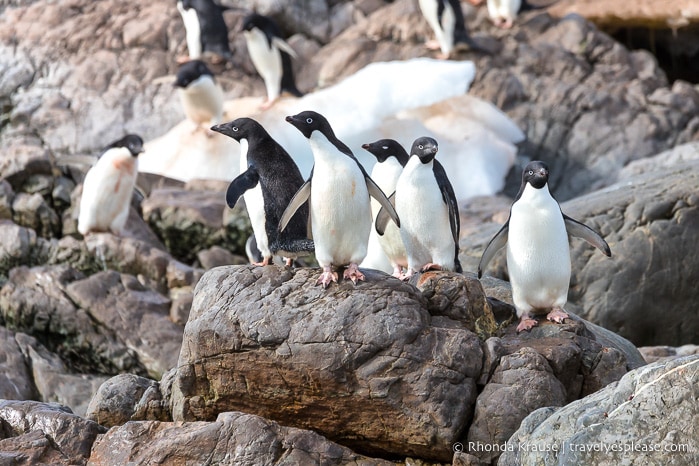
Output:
x=376 y=193
x=383 y=216
x=581 y=230
x=281 y=44
x=301 y=196
x=243 y=182
x=449 y=198
x=496 y=243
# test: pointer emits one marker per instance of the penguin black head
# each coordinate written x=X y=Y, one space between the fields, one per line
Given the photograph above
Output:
x=309 y=121
x=190 y=72
x=263 y=23
x=240 y=128
x=132 y=142
x=385 y=148
x=536 y=173
x=425 y=148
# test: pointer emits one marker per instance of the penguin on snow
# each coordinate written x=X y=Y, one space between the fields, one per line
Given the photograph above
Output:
x=338 y=191
x=205 y=30
x=268 y=181
x=108 y=186
x=426 y=204
x=390 y=160
x=200 y=95
x=538 y=251
x=271 y=55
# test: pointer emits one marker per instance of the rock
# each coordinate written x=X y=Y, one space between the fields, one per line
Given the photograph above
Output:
x=20 y=246
x=6 y=197
x=49 y=432
x=677 y=155
x=367 y=358
x=665 y=353
x=641 y=13
x=35 y=301
x=138 y=315
x=232 y=438
x=217 y=256
x=32 y=211
x=124 y=398
x=189 y=221
x=53 y=380
x=22 y=161
x=648 y=416
x=16 y=381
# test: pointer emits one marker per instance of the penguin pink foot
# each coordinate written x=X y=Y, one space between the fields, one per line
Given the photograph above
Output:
x=431 y=266
x=432 y=45
x=267 y=104
x=264 y=262
x=398 y=272
x=352 y=272
x=557 y=315
x=327 y=276
x=526 y=323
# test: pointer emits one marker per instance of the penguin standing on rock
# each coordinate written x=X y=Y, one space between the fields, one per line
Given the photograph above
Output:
x=538 y=252
x=271 y=55
x=268 y=181
x=426 y=204
x=200 y=95
x=338 y=191
x=205 y=29
x=446 y=19
x=390 y=160
x=108 y=186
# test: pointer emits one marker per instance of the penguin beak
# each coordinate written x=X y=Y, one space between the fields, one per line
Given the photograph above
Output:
x=543 y=172
x=365 y=146
x=289 y=119
x=434 y=150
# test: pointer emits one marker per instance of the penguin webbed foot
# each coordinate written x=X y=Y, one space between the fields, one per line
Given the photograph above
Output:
x=267 y=104
x=398 y=272
x=557 y=315
x=353 y=273
x=526 y=323
x=431 y=266
x=264 y=262
x=327 y=277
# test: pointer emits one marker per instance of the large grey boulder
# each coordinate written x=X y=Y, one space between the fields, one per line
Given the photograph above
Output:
x=384 y=367
x=647 y=417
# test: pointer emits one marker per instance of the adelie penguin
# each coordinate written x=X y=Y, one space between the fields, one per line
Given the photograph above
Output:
x=205 y=30
x=390 y=160
x=429 y=213
x=446 y=19
x=271 y=56
x=108 y=186
x=200 y=95
x=504 y=12
x=268 y=181
x=538 y=251
x=338 y=191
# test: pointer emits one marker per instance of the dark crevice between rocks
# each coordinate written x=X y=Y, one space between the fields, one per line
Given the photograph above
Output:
x=677 y=50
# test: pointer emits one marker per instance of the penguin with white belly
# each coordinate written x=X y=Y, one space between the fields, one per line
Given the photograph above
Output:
x=446 y=19
x=268 y=181
x=271 y=55
x=205 y=30
x=538 y=251
x=200 y=95
x=390 y=160
x=108 y=186
x=338 y=191
x=426 y=204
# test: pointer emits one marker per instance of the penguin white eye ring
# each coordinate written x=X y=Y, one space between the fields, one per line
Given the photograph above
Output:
x=531 y=172
x=235 y=128
x=420 y=147
x=384 y=147
x=309 y=120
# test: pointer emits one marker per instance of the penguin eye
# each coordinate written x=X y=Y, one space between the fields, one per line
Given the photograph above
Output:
x=384 y=147
x=420 y=147
x=531 y=172
x=235 y=128
x=309 y=120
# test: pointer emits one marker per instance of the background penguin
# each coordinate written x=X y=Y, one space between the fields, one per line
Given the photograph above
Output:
x=446 y=19
x=271 y=56
x=426 y=203
x=108 y=185
x=339 y=190
x=504 y=12
x=268 y=181
x=200 y=95
x=538 y=252
x=206 y=31
x=390 y=160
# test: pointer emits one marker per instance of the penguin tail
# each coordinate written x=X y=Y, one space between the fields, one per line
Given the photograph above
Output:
x=293 y=247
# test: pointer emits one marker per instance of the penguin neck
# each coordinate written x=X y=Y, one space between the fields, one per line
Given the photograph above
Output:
x=415 y=164
x=532 y=195
x=323 y=150
x=386 y=173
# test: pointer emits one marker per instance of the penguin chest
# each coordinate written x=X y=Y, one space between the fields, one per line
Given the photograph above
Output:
x=340 y=211
x=202 y=101
x=386 y=174
x=503 y=9
x=192 y=30
x=255 y=205
x=538 y=252
x=425 y=227
x=107 y=191
x=267 y=59
x=443 y=27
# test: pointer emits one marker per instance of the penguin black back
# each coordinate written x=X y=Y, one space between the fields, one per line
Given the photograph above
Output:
x=214 y=32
